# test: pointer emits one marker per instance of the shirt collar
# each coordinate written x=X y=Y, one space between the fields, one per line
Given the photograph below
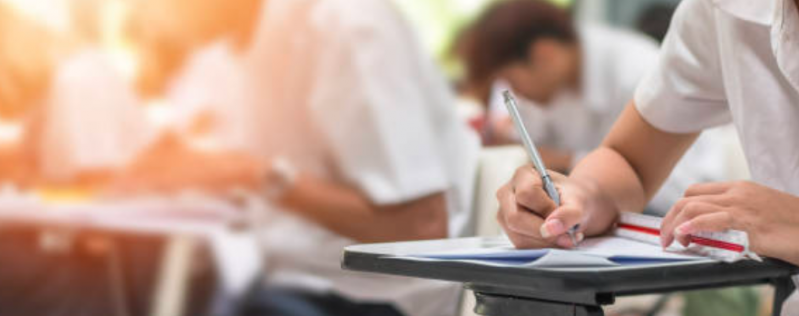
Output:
x=757 y=11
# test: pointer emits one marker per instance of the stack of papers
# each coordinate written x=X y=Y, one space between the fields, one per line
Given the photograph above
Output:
x=595 y=252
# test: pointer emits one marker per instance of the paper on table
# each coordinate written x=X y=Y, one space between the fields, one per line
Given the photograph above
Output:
x=623 y=247
x=603 y=251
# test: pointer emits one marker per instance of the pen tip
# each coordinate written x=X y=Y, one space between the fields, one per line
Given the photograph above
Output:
x=507 y=95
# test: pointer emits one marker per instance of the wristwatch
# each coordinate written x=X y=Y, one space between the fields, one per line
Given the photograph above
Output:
x=279 y=179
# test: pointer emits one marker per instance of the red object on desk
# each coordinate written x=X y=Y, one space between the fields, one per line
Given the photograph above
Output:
x=694 y=239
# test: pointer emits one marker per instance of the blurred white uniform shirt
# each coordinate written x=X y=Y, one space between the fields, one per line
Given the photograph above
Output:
x=211 y=90
x=614 y=63
x=92 y=118
x=733 y=61
x=350 y=96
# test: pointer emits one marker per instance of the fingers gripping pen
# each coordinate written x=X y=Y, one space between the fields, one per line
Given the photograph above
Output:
x=532 y=152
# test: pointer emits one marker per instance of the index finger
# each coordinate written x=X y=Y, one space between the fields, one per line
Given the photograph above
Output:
x=712 y=188
x=529 y=192
x=514 y=216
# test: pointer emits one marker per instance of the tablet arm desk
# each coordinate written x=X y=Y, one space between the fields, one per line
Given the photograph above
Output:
x=502 y=291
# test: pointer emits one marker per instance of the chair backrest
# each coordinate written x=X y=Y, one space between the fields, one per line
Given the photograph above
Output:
x=497 y=165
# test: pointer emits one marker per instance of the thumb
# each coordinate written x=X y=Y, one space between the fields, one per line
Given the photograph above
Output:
x=560 y=221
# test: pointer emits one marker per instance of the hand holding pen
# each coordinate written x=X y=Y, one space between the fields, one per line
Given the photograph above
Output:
x=538 y=202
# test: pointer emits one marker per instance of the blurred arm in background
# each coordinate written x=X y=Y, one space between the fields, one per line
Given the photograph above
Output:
x=349 y=212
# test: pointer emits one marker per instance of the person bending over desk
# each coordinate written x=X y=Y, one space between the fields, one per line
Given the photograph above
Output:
x=572 y=84
x=359 y=139
x=731 y=61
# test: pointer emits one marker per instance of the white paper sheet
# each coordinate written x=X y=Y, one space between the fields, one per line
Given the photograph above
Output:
x=603 y=251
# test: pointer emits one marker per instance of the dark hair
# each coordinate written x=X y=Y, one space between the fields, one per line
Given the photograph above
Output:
x=505 y=31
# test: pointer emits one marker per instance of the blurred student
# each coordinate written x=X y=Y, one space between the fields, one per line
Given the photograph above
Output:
x=190 y=60
x=722 y=62
x=572 y=83
x=366 y=147
x=91 y=123
x=83 y=127
x=37 y=280
x=210 y=96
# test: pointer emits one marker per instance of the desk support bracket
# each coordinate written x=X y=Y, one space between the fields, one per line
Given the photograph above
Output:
x=494 y=305
x=783 y=288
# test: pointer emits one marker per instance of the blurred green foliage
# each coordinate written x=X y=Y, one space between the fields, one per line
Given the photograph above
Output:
x=739 y=301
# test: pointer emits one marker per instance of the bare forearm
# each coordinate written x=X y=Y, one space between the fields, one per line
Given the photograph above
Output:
x=347 y=212
x=628 y=169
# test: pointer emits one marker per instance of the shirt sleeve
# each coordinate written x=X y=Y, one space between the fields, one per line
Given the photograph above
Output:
x=371 y=106
x=685 y=92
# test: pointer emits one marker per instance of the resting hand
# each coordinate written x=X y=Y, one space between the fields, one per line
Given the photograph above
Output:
x=770 y=217
x=530 y=217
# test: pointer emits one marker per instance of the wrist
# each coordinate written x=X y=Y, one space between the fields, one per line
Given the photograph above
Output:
x=601 y=213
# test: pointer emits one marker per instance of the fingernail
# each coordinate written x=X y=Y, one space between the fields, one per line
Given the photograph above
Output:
x=683 y=229
x=553 y=227
x=580 y=237
x=544 y=231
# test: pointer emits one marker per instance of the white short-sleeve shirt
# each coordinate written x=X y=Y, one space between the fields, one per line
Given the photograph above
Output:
x=733 y=60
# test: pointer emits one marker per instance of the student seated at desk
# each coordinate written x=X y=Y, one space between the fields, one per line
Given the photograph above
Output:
x=83 y=119
x=366 y=147
x=79 y=115
x=572 y=82
x=83 y=124
x=187 y=64
x=386 y=161
x=36 y=279
x=731 y=61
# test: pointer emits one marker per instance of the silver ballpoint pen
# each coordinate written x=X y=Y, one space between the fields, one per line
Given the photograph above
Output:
x=532 y=152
